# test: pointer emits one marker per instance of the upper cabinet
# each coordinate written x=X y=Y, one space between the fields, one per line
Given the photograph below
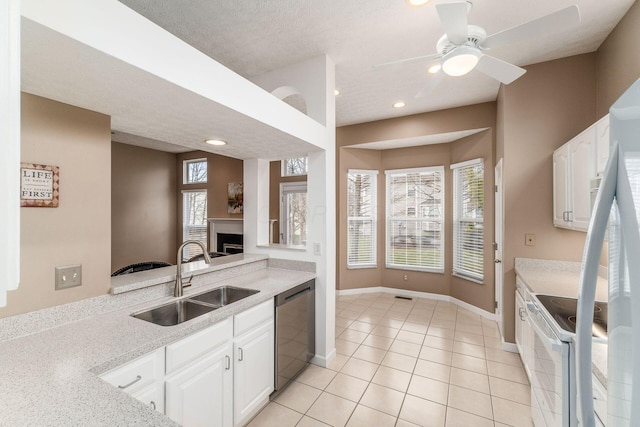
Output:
x=575 y=165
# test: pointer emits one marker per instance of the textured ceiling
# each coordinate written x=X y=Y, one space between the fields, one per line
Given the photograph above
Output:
x=252 y=37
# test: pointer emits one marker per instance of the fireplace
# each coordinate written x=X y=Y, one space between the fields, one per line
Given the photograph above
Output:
x=229 y=243
x=225 y=235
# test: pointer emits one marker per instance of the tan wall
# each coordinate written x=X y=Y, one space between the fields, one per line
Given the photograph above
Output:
x=275 y=178
x=539 y=112
x=79 y=230
x=617 y=61
x=479 y=145
x=143 y=205
x=221 y=171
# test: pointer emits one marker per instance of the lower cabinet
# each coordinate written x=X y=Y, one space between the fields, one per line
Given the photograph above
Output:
x=218 y=377
x=198 y=395
x=253 y=377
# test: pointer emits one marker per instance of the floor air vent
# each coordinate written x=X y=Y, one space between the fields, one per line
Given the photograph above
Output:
x=407 y=298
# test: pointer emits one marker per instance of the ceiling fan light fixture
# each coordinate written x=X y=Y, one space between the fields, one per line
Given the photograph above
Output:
x=460 y=61
x=417 y=3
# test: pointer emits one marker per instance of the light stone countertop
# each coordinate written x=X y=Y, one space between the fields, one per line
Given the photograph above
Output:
x=50 y=378
x=561 y=278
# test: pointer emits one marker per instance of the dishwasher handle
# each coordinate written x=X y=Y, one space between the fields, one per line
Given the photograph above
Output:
x=295 y=292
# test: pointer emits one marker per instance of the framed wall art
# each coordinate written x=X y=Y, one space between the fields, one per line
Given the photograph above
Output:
x=39 y=185
x=234 y=198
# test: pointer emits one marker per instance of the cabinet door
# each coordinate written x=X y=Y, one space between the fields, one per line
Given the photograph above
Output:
x=582 y=170
x=152 y=396
x=602 y=144
x=200 y=394
x=254 y=367
x=561 y=186
x=521 y=313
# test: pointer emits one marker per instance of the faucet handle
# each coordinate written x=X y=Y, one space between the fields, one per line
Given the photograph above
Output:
x=188 y=283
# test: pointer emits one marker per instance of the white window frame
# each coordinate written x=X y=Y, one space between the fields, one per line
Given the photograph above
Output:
x=373 y=262
x=186 y=227
x=418 y=218
x=185 y=171
x=288 y=188
x=284 y=169
x=459 y=268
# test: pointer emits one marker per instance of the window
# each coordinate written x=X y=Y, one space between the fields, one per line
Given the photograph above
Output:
x=294 y=167
x=293 y=213
x=361 y=219
x=194 y=220
x=194 y=171
x=468 y=225
x=415 y=209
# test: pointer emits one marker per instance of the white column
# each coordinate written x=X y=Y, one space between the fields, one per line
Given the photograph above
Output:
x=10 y=137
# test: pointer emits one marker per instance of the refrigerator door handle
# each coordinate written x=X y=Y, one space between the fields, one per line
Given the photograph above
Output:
x=587 y=291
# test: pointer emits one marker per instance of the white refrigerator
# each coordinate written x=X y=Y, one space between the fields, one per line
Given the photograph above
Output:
x=618 y=205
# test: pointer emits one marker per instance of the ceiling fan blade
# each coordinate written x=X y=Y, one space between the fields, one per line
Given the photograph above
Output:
x=548 y=24
x=425 y=58
x=453 y=17
x=499 y=70
x=433 y=82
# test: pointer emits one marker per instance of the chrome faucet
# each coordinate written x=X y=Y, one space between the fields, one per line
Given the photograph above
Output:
x=178 y=289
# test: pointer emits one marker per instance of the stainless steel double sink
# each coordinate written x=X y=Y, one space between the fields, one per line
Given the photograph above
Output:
x=189 y=308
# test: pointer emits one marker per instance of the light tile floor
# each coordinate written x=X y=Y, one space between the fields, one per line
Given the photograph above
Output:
x=407 y=363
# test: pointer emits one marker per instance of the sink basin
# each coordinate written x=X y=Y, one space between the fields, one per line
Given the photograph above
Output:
x=224 y=295
x=174 y=313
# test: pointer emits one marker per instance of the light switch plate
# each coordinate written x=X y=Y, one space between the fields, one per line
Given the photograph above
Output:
x=68 y=276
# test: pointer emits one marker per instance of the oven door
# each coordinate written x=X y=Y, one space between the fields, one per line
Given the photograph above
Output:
x=550 y=373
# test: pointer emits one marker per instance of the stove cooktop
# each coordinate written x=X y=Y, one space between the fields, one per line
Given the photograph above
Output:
x=563 y=311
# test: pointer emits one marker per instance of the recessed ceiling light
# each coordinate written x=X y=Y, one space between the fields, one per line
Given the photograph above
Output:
x=216 y=142
x=336 y=92
x=434 y=69
x=417 y=3
x=399 y=104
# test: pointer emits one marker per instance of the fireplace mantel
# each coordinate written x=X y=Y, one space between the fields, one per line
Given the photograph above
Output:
x=223 y=225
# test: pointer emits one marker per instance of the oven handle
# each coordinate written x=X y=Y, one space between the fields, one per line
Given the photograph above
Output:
x=552 y=341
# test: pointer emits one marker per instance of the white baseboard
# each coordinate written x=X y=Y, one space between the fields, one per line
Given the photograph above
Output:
x=509 y=346
x=416 y=294
x=324 y=361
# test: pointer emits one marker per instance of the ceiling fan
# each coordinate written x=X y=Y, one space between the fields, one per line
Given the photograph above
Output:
x=461 y=48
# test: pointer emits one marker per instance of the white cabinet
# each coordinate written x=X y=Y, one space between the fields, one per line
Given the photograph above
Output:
x=200 y=377
x=253 y=378
x=220 y=376
x=198 y=395
x=602 y=144
x=524 y=331
x=573 y=167
x=142 y=378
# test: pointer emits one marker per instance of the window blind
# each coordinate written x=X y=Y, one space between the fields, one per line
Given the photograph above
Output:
x=468 y=220
x=361 y=218
x=194 y=220
x=415 y=212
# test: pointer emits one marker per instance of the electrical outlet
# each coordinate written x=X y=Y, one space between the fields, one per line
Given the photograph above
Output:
x=405 y=278
x=530 y=239
x=68 y=277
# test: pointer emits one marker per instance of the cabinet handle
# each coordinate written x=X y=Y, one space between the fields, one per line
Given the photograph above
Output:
x=521 y=313
x=570 y=216
x=153 y=404
x=241 y=354
x=138 y=378
x=228 y=359
x=564 y=216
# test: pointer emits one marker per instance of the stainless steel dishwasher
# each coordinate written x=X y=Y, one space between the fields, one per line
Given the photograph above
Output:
x=295 y=332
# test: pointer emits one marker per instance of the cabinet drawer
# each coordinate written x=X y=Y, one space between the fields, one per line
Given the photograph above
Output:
x=183 y=352
x=247 y=320
x=138 y=373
